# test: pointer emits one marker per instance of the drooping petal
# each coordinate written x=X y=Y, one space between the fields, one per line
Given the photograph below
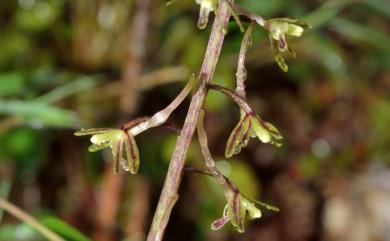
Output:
x=132 y=154
x=236 y=211
x=239 y=137
x=117 y=151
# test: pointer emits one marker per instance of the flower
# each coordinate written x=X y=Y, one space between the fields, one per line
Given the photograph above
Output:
x=278 y=28
x=206 y=7
x=251 y=125
x=237 y=208
x=123 y=146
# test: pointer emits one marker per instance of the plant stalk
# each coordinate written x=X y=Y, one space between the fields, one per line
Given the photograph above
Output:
x=169 y=193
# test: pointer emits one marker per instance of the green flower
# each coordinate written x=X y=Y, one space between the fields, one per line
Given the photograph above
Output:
x=206 y=7
x=238 y=208
x=278 y=28
x=123 y=146
x=251 y=126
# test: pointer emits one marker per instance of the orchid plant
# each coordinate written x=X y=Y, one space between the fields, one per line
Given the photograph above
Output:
x=122 y=141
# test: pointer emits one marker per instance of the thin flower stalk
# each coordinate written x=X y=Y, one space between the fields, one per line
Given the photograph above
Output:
x=254 y=17
x=209 y=161
x=241 y=73
x=240 y=101
x=160 y=117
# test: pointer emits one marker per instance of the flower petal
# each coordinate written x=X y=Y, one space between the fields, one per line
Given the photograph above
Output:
x=295 y=30
x=239 y=137
x=117 y=151
x=236 y=211
x=261 y=133
x=132 y=154
x=252 y=210
x=266 y=132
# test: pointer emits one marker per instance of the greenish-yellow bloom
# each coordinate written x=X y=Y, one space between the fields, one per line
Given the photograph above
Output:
x=278 y=29
x=123 y=146
x=251 y=126
x=238 y=208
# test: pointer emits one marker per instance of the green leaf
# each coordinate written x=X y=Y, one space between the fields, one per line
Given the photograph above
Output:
x=11 y=84
x=17 y=232
x=40 y=113
x=360 y=33
x=64 y=229
x=79 y=85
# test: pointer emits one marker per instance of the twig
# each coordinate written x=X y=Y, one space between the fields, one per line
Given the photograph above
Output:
x=241 y=71
x=21 y=215
x=169 y=192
